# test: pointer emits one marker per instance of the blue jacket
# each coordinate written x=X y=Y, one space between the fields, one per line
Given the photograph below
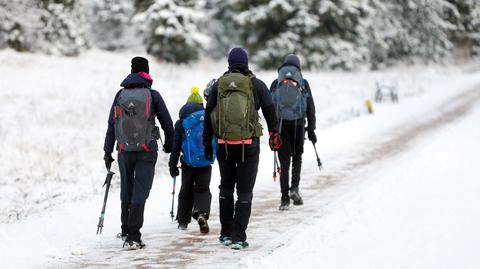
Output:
x=158 y=108
x=186 y=110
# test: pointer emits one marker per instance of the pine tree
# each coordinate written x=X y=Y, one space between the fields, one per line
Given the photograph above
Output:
x=171 y=31
x=111 y=27
x=60 y=27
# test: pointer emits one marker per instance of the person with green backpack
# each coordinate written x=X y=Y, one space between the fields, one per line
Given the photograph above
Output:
x=194 y=198
x=231 y=114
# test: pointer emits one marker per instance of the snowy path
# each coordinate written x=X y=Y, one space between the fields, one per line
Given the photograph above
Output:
x=270 y=229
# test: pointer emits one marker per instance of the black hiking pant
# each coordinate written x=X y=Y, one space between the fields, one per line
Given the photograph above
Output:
x=194 y=197
x=293 y=138
x=239 y=175
x=136 y=172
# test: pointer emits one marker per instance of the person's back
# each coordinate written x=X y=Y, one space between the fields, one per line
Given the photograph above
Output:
x=194 y=199
x=238 y=144
x=132 y=124
x=294 y=103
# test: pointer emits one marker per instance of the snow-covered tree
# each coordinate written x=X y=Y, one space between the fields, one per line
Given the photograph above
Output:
x=171 y=30
x=50 y=26
x=110 y=24
x=61 y=27
x=466 y=18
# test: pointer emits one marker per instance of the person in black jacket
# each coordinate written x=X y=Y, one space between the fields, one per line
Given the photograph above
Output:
x=238 y=160
x=137 y=167
x=194 y=198
x=292 y=133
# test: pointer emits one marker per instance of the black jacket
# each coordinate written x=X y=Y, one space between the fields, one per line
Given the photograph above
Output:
x=186 y=110
x=261 y=95
x=158 y=108
x=310 y=106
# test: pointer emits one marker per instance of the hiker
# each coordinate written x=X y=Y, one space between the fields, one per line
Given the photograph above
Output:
x=293 y=103
x=132 y=124
x=232 y=116
x=194 y=198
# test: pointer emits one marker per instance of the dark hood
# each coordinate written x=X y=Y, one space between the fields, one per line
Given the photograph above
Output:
x=135 y=80
x=241 y=68
x=289 y=64
x=189 y=109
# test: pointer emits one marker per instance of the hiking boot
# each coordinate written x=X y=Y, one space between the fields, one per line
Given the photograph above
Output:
x=133 y=245
x=182 y=226
x=239 y=245
x=285 y=203
x=202 y=222
x=226 y=240
x=122 y=236
x=295 y=195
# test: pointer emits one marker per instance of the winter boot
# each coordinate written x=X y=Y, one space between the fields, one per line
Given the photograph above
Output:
x=285 y=203
x=239 y=245
x=202 y=222
x=295 y=195
x=226 y=240
x=182 y=226
x=133 y=245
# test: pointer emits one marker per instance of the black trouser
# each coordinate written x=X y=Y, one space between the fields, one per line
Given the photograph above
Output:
x=136 y=172
x=293 y=137
x=194 y=197
x=241 y=175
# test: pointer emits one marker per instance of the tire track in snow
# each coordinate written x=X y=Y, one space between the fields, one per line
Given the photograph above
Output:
x=269 y=229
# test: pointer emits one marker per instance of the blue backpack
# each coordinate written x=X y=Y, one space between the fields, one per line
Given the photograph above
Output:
x=289 y=97
x=192 y=144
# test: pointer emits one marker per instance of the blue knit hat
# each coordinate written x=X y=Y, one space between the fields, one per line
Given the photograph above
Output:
x=292 y=59
x=237 y=56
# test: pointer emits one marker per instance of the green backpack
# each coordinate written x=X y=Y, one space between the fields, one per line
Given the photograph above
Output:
x=235 y=116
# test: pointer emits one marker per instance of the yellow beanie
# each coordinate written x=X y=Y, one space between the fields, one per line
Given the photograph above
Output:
x=194 y=96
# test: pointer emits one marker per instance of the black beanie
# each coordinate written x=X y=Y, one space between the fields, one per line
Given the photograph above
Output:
x=292 y=59
x=237 y=56
x=140 y=64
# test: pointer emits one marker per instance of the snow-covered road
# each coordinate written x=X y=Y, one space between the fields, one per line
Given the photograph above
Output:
x=51 y=173
x=408 y=201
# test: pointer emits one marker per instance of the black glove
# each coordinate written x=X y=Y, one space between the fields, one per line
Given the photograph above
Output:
x=275 y=141
x=209 y=151
x=173 y=170
x=108 y=160
x=312 y=136
x=167 y=148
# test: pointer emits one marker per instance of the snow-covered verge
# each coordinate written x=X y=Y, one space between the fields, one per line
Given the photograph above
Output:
x=56 y=109
x=417 y=210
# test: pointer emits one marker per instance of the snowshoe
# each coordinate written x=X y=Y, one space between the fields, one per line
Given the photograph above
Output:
x=202 y=222
x=239 y=245
x=225 y=240
x=295 y=195
x=122 y=236
x=182 y=226
x=133 y=245
x=284 y=204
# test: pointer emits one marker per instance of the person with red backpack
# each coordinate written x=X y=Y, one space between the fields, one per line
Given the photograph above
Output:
x=293 y=103
x=194 y=198
x=131 y=123
x=232 y=116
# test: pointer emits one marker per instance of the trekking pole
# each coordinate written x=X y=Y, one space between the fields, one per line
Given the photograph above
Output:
x=173 y=197
x=279 y=168
x=319 y=163
x=274 y=166
x=107 y=182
